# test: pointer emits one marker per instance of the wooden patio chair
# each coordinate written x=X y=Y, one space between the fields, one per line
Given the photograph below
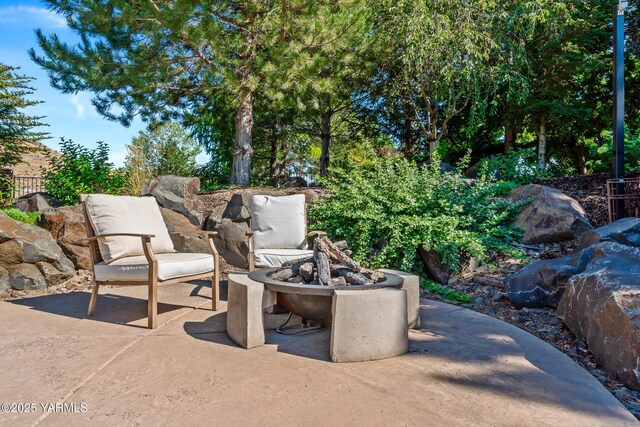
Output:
x=278 y=231
x=130 y=245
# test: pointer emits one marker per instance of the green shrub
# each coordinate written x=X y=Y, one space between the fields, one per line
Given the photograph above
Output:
x=81 y=171
x=18 y=215
x=519 y=166
x=389 y=208
x=601 y=152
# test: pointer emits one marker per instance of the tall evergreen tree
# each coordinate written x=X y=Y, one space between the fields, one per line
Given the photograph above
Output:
x=17 y=129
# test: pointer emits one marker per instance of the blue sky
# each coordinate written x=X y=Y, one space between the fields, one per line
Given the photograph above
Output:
x=68 y=115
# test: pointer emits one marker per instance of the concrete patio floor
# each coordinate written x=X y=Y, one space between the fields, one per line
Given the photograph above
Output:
x=464 y=368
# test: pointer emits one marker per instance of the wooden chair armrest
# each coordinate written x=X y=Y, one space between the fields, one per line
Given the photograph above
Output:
x=201 y=232
x=143 y=236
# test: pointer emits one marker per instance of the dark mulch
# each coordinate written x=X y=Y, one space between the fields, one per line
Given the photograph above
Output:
x=590 y=191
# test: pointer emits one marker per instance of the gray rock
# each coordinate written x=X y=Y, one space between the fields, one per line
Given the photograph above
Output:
x=177 y=193
x=295 y=181
x=214 y=218
x=25 y=246
x=231 y=242
x=36 y=202
x=66 y=225
x=625 y=231
x=184 y=239
x=542 y=283
x=26 y=277
x=550 y=217
x=435 y=267
x=239 y=207
x=601 y=306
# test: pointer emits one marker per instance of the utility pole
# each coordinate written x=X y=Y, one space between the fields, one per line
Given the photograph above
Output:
x=618 y=103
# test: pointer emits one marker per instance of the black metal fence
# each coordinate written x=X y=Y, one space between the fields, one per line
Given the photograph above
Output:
x=23 y=185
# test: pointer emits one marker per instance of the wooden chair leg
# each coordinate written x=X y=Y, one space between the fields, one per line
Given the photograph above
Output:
x=93 y=299
x=215 y=292
x=152 y=309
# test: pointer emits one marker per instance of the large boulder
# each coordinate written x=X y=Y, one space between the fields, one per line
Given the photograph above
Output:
x=542 y=283
x=36 y=202
x=31 y=256
x=602 y=305
x=239 y=207
x=180 y=194
x=66 y=225
x=550 y=217
x=184 y=237
x=231 y=242
x=625 y=231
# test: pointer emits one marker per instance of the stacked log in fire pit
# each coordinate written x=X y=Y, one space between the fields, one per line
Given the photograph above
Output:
x=330 y=265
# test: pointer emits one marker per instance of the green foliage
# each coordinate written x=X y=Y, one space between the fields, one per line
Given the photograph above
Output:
x=389 y=208
x=17 y=136
x=601 y=152
x=80 y=170
x=7 y=187
x=18 y=215
x=165 y=149
x=444 y=291
x=519 y=166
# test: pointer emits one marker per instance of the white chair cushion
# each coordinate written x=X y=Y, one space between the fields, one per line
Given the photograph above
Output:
x=278 y=222
x=170 y=266
x=125 y=214
x=276 y=257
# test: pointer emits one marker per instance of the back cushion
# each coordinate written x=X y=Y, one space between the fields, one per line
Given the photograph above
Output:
x=278 y=222
x=125 y=214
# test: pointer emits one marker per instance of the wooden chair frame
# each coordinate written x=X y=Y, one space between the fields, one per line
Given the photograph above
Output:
x=250 y=244
x=152 y=282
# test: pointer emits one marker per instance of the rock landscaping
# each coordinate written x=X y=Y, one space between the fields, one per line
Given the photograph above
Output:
x=588 y=274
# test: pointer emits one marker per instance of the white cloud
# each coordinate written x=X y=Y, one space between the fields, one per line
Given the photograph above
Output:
x=80 y=108
x=31 y=16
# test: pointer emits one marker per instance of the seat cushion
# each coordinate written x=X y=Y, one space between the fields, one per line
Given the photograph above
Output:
x=125 y=214
x=170 y=266
x=276 y=257
x=278 y=222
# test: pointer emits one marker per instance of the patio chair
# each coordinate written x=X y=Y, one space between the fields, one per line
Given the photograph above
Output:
x=130 y=245
x=278 y=231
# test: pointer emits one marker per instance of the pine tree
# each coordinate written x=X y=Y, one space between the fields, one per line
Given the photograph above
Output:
x=17 y=134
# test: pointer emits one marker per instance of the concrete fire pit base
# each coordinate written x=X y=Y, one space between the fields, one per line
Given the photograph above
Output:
x=366 y=325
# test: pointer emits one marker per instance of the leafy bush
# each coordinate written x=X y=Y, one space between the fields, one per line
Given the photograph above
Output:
x=165 y=149
x=7 y=187
x=519 y=166
x=81 y=171
x=18 y=215
x=391 y=207
x=601 y=152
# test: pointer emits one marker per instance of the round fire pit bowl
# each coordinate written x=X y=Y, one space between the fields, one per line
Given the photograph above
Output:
x=313 y=302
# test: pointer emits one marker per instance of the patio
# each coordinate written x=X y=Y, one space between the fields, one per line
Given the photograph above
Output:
x=463 y=368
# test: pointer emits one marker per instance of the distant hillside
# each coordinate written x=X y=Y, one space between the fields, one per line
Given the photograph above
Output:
x=33 y=162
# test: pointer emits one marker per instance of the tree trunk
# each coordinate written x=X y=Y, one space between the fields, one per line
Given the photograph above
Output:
x=282 y=176
x=509 y=138
x=325 y=137
x=433 y=146
x=242 y=151
x=581 y=159
x=407 y=139
x=273 y=161
x=542 y=144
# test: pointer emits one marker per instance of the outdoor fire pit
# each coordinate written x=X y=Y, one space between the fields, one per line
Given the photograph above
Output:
x=313 y=302
x=305 y=287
